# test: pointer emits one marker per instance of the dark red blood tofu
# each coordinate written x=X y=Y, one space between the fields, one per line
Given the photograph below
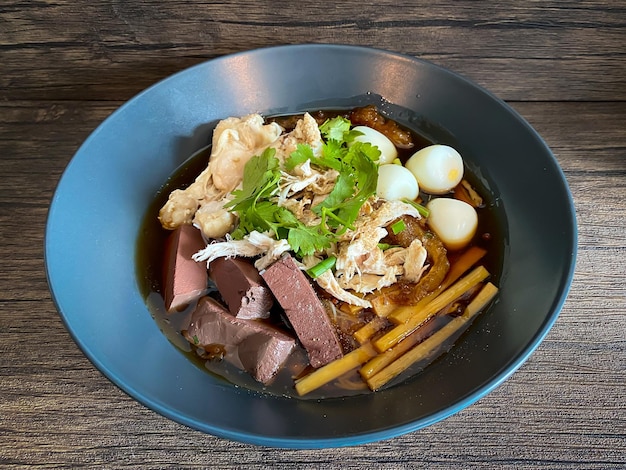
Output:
x=250 y=345
x=185 y=279
x=305 y=311
x=241 y=287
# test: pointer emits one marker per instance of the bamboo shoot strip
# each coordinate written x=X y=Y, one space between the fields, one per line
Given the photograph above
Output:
x=335 y=369
x=374 y=326
x=400 y=332
x=363 y=334
x=427 y=348
x=378 y=363
x=463 y=264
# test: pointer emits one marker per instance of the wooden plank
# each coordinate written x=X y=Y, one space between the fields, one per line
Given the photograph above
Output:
x=90 y=50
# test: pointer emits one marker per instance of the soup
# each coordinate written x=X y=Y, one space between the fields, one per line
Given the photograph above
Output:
x=384 y=331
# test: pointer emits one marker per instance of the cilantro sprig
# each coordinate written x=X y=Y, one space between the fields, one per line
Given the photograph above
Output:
x=358 y=174
x=257 y=210
x=255 y=203
x=261 y=175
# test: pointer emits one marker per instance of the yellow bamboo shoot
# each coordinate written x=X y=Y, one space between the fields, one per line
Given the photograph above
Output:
x=335 y=369
x=401 y=331
x=363 y=334
x=460 y=266
x=426 y=347
x=379 y=362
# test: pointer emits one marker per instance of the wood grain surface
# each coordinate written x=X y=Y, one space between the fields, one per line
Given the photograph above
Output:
x=66 y=65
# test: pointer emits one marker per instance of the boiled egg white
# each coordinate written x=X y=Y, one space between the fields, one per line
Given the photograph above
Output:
x=437 y=168
x=455 y=222
x=396 y=182
x=388 y=151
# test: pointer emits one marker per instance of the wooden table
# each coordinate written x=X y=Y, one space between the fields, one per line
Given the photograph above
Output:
x=66 y=65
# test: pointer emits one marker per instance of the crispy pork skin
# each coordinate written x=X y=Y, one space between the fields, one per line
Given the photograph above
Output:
x=241 y=287
x=185 y=279
x=250 y=345
x=304 y=309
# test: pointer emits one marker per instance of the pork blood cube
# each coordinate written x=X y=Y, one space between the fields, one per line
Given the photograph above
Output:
x=241 y=287
x=250 y=345
x=305 y=311
x=185 y=279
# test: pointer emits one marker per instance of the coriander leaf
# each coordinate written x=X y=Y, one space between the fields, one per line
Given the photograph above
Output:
x=332 y=155
x=266 y=210
x=286 y=218
x=239 y=232
x=366 y=174
x=343 y=189
x=260 y=181
x=368 y=149
x=362 y=148
x=262 y=216
x=335 y=128
x=302 y=153
x=349 y=136
x=307 y=240
x=260 y=174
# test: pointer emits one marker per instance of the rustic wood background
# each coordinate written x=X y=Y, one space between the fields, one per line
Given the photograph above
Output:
x=66 y=65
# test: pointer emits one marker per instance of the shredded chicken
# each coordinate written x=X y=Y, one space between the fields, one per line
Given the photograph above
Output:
x=362 y=265
x=329 y=283
x=414 y=264
x=381 y=217
x=305 y=132
x=254 y=244
x=292 y=184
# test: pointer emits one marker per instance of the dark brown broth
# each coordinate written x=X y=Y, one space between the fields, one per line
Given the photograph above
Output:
x=149 y=265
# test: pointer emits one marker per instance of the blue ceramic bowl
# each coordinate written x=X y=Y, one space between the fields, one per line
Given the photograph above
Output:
x=97 y=210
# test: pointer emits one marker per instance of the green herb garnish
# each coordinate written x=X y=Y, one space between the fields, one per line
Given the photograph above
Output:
x=398 y=226
x=255 y=203
x=358 y=174
x=386 y=246
x=338 y=129
x=420 y=209
x=321 y=267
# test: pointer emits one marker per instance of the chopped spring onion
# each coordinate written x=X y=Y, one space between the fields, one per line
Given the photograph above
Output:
x=322 y=267
x=398 y=227
x=386 y=246
x=421 y=209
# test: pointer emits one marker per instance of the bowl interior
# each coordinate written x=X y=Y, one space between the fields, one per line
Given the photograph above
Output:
x=99 y=204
